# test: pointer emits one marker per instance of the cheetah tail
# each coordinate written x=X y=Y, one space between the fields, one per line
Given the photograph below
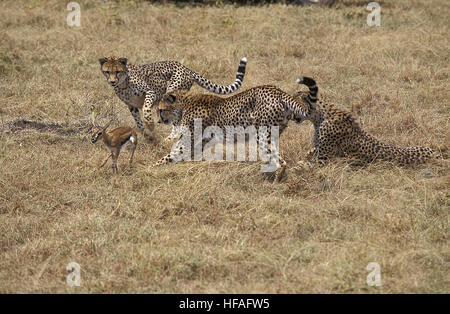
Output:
x=222 y=89
x=313 y=89
x=403 y=155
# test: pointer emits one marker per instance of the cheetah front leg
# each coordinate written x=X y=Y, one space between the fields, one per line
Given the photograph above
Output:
x=175 y=84
x=137 y=118
x=275 y=162
x=140 y=125
x=179 y=152
x=171 y=157
x=149 y=103
x=311 y=154
x=175 y=133
x=281 y=168
x=325 y=152
x=179 y=81
x=327 y=147
x=308 y=162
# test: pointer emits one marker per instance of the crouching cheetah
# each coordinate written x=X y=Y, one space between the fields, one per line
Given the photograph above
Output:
x=262 y=107
x=336 y=133
x=142 y=86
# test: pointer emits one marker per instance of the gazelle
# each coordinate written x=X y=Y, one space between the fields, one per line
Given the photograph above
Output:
x=114 y=140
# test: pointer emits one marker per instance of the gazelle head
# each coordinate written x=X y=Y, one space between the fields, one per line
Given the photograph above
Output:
x=97 y=132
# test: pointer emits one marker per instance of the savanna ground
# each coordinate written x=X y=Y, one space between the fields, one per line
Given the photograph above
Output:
x=222 y=228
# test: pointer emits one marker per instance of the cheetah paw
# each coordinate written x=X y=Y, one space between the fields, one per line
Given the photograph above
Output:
x=303 y=165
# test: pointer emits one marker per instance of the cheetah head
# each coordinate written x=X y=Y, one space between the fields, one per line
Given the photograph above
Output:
x=114 y=69
x=170 y=108
x=301 y=96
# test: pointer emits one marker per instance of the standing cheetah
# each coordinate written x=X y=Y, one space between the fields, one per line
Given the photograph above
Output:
x=261 y=107
x=142 y=86
x=336 y=133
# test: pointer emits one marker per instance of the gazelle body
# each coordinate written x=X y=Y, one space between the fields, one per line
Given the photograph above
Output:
x=114 y=140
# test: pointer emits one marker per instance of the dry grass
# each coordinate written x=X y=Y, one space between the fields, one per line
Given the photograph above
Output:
x=204 y=228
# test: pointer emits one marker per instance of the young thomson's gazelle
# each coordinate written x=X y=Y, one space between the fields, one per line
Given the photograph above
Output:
x=114 y=140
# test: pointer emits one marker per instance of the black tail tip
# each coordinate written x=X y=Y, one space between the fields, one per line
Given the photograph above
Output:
x=306 y=80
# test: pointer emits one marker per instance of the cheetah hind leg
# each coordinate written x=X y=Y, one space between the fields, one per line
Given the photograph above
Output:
x=179 y=83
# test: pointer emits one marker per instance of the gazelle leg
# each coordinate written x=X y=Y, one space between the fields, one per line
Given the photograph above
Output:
x=109 y=156
x=132 y=153
x=115 y=156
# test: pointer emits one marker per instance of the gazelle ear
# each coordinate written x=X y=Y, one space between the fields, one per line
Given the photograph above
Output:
x=93 y=115
x=107 y=126
x=102 y=61
x=123 y=61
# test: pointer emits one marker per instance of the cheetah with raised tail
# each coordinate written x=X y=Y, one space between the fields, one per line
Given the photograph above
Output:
x=142 y=86
x=336 y=133
x=261 y=107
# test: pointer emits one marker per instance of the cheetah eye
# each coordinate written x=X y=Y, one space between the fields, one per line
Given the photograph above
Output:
x=170 y=98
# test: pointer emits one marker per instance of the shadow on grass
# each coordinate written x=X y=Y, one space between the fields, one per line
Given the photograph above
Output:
x=42 y=127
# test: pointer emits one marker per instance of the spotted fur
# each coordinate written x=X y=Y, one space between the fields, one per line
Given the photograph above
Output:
x=338 y=134
x=142 y=86
x=259 y=106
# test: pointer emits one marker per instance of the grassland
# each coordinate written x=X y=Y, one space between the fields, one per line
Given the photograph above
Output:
x=222 y=228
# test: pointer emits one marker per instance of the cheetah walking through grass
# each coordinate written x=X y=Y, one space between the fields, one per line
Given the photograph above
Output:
x=142 y=86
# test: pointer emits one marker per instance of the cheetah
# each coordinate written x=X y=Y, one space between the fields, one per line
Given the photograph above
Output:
x=142 y=86
x=262 y=107
x=336 y=133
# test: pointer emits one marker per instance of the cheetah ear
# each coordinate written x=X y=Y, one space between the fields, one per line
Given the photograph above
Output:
x=102 y=61
x=123 y=61
x=170 y=98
